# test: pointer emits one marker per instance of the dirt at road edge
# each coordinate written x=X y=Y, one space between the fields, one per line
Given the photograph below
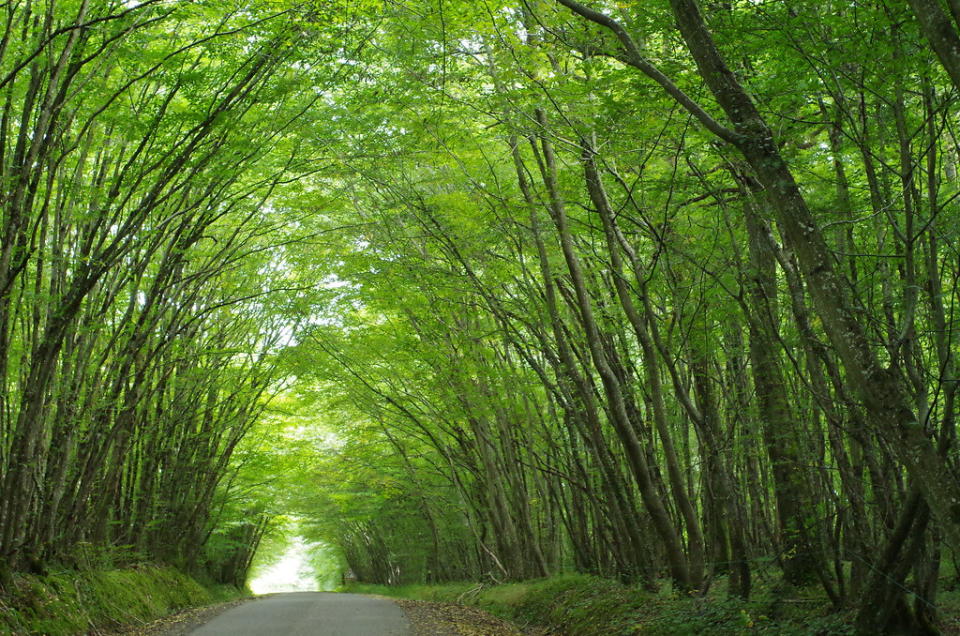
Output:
x=449 y=619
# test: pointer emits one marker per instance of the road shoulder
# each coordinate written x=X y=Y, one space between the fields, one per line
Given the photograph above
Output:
x=182 y=623
x=450 y=619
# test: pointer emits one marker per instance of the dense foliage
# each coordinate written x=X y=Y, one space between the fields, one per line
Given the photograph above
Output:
x=656 y=291
x=640 y=290
x=143 y=295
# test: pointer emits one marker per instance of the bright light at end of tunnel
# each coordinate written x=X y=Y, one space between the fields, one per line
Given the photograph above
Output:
x=292 y=573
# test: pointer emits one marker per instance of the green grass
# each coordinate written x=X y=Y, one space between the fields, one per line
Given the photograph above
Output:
x=581 y=605
x=75 y=602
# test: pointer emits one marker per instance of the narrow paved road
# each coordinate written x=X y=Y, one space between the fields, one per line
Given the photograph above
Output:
x=310 y=614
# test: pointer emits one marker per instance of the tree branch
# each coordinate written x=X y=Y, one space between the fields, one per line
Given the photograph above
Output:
x=633 y=57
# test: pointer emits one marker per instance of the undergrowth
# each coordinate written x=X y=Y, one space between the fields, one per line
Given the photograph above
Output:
x=579 y=605
x=96 y=601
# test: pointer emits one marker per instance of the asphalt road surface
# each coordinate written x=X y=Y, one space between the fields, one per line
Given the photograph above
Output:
x=310 y=614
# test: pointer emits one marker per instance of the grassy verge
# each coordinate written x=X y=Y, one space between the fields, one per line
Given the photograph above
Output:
x=91 y=602
x=591 y=606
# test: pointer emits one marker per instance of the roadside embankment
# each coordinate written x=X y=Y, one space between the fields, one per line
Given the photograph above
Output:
x=100 y=601
x=591 y=606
